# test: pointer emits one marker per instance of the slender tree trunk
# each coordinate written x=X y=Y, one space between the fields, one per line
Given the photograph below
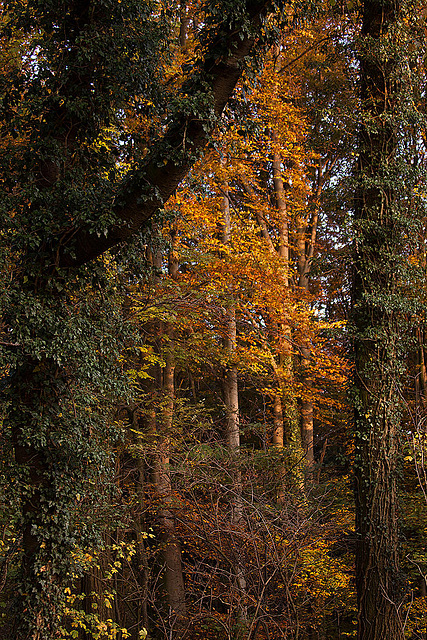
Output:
x=421 y=377
x=291 y=429
x=161 y=478
x=171 y=547
x=286 y=427
x=307 y=427
x=231 y=394
x=183 y=24
x=279 y=192
x=231 y=397
x=141 y=565
x=305 y=250
x=278 y=442
x=277 y=422
x=174 y=580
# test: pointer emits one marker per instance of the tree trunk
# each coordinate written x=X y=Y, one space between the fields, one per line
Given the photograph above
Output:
x=305 y=249
x=49 y=495
x=174 y=580
x=380 y=241
x=184 y=21
x=75 y=239
x=231 y=397
x=421 y=375
x=279 y=192
x=161 y=478
x=142 y=569
x=307 y=422
x=291 y=428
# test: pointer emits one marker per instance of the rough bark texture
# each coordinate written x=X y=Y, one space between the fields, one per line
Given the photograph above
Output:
x=378 y=243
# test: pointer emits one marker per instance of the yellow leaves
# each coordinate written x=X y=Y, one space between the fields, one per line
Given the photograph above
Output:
x=97 y=624
x=94 y=626
x=324 y=576
x=416 y=617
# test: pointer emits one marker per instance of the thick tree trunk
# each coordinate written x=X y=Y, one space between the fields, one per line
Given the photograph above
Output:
x=380 y=237
x=152 y=184
x=47 y=501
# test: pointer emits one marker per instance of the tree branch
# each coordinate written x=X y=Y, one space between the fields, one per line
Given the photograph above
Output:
x=150 y=187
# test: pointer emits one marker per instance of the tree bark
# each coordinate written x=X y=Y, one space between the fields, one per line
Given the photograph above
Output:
x=231 y=397
x=161 y=477
x=291 y=428
x=141 y=560
x=421 y=374
x=43 y=570
x=184 y=21
x=378 y=329
x=306 y=241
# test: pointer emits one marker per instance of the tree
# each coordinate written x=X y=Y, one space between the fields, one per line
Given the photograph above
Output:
x=383 y=223
x=81 y=183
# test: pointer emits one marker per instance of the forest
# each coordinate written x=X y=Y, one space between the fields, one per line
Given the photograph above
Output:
x=212 y=340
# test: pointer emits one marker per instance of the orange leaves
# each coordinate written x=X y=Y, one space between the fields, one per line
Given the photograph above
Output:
x=254 y=271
